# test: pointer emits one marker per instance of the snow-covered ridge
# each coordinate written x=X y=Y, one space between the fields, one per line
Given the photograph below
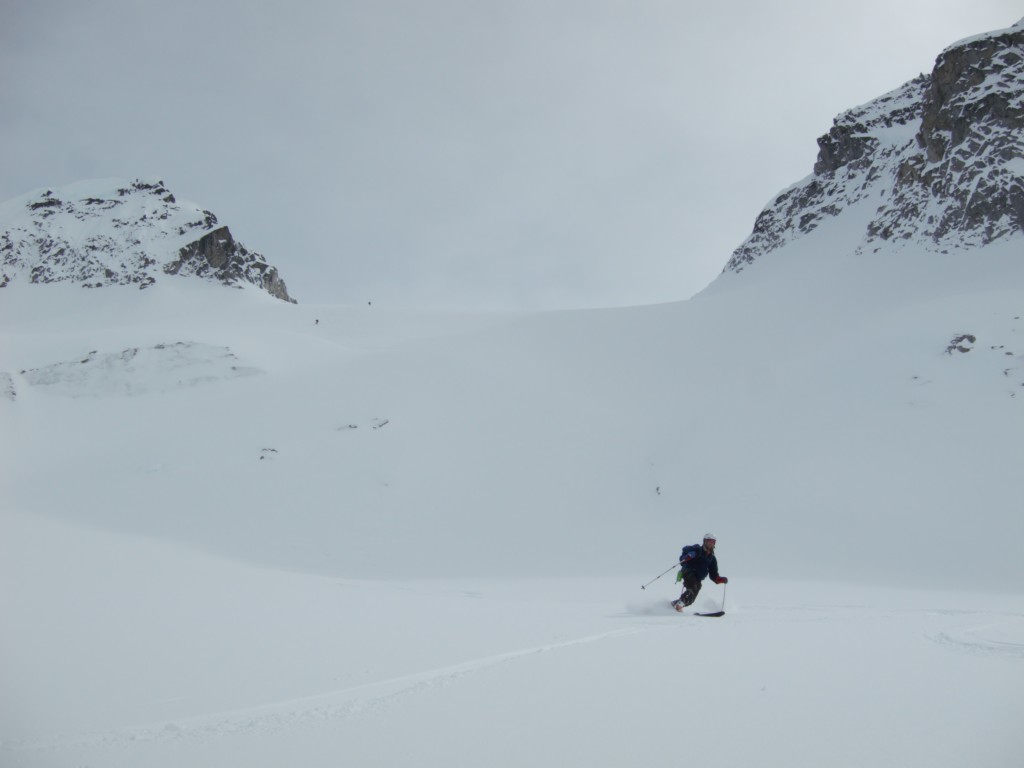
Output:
x=114 y=232
x=940 y=160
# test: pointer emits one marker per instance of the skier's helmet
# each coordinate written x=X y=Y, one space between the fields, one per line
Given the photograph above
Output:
x=711 y=537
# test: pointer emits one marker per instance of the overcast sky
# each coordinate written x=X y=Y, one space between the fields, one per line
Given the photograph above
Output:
x=464 y=154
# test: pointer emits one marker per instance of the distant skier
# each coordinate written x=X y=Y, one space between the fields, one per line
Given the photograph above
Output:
x=696 y=562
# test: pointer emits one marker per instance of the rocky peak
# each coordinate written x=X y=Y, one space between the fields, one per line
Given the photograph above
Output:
x=974 y=83
x=941 y=158
x=111 y=232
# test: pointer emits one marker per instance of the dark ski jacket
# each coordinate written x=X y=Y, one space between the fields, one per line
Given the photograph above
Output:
x=696 y=561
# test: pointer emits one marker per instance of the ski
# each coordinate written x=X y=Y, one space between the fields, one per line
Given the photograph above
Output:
x=715 y=614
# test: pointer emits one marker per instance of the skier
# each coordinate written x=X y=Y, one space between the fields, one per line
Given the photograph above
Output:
x=696 y=562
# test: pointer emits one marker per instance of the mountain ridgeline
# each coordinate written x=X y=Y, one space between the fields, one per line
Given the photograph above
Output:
x=937 y=163
x=940 y=161
x=112 y=232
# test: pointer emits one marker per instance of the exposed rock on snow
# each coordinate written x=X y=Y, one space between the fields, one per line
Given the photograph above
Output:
x=993 y=361
x=7 y=390
x=111 y=232
x=941 y=158
x=374 y=423
x=962 y=343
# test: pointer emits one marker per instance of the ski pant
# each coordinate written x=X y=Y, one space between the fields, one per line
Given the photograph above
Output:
x=691 y=586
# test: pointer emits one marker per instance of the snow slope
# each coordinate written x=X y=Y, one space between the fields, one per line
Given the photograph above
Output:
x=241 y=531
x=198 y=661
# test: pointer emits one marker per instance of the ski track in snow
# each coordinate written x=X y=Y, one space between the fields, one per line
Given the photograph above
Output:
x=301 y=712
x=373 y=698
x=967 y=640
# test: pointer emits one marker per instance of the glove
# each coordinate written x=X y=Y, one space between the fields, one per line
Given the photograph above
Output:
x=721 y=580
x=679 y=576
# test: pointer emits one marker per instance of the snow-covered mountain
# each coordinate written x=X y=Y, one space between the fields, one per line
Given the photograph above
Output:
x=113 y=232
x=240 y=531
x=937 y=164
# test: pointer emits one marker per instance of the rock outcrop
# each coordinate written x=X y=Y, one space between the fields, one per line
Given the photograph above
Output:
x=941 y=159
x=112 y=232
x=219 y=256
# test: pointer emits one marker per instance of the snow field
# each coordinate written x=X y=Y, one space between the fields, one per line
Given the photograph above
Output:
x=132 y=651
x=418 y=538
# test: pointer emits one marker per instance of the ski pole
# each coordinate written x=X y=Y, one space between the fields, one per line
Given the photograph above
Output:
x=724 y=587
x=645 y=586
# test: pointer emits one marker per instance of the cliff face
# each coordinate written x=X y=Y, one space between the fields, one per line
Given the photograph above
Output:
x=219 y=256
x=111 y=232
x=941 y=159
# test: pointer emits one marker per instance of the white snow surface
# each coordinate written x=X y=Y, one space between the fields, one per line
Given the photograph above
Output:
x=240 y=532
